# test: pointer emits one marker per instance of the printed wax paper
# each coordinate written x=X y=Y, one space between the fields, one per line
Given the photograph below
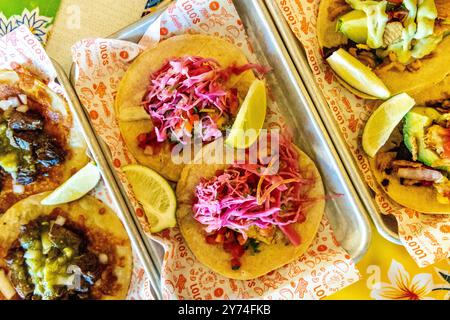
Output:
x=426 y=237
x=21 y=47
x=323 y=270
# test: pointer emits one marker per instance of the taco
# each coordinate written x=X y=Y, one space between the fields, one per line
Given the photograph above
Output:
x=243 y=222
x=76 y=251
x=405 y=42
x=40 y=147
x=186 y=84
x=413 y=168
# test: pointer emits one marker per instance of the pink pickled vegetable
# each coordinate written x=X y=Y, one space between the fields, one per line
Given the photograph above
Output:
x=242 y=197
x=188 y=92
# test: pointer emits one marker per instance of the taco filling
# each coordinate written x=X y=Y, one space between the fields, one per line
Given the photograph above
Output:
x=46 y=251
x=422 y=158
x=394 y=35
x=37 y=139
x=246 y=205
x=188 y=95
x=54 y=254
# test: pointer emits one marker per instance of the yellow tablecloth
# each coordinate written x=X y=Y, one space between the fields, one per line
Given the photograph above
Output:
x=388 y=272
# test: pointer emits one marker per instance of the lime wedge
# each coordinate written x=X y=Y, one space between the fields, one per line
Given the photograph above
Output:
x=357 y=75
x=155 y=195
x=76 y=187
x=354 y=91
x=251 y=117
x=354 y=26
x=133 y=114
x=383 y=122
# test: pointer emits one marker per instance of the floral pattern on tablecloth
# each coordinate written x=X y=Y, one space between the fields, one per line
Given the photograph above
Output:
x=37 y=15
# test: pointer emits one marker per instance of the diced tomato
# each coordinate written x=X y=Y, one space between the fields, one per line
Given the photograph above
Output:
x=290 y=232
x=219 y=238
x=301 y=218
x=228 y=246
x=241 y=240
x=235 y=264
x=427 y=183
x=211 y=239
x=150 y=140
x=194 y=118
x=237 y=251
x=396 y=1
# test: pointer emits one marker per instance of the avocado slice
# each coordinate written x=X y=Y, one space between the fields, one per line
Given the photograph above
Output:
x=354 y=26
x=414 y=131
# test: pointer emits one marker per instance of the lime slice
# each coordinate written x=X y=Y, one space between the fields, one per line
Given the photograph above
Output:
x=383 y=122
x=76 y=187
x=155 y=195
x=357 y=75
x=133 y=114
x=251 y=117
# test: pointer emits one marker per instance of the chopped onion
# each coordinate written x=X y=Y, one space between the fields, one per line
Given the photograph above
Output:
x=60 y=221
x=6 y=288
x=103 y=258
x=23 y=98
x=18 y=189
x=22 y=108
x=11 y=102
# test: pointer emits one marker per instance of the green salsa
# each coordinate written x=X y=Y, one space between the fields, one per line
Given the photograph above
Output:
x=52 y=262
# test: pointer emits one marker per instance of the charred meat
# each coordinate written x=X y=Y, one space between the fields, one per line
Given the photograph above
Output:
x=24 y=140
x=25 y=121
x=48 y=153
x=26 y=174
x=64 y=238
x=22 y=135
x=19 y=276
x=89 y=267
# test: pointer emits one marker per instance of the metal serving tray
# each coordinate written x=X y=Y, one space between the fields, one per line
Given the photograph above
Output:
x=346 y=214
x=96 y=153
x=386 y=224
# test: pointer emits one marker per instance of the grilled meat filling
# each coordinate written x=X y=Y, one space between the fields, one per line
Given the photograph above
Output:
x=42 y=260
x=25 y=121
x=36 y=150
x=398 y=162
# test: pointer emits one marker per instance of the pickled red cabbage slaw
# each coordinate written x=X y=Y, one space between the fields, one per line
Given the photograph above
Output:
x=191 y=91
x=242 y=196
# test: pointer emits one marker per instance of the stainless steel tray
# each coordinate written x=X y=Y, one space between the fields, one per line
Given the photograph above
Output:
x=96 y=152
x=386 y=224
x=346 y=214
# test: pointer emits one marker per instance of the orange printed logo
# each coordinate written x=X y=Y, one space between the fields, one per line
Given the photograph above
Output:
x=164 y=31
x=139 y=212
x=94 y=115
x=124 y=54
x=214 y=6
